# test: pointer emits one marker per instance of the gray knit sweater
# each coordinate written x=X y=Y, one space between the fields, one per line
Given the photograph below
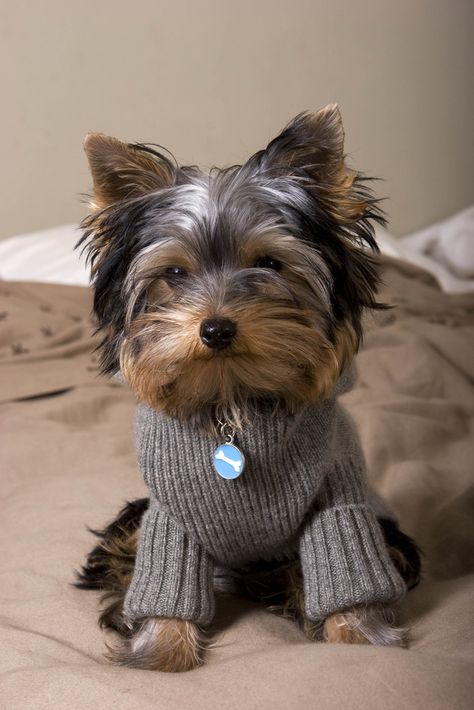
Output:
x=304 y=490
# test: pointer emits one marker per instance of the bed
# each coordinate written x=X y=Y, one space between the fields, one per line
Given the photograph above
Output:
x=68 y=461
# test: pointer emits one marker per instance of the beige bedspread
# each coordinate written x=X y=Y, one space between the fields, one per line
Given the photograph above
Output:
x=67 y=460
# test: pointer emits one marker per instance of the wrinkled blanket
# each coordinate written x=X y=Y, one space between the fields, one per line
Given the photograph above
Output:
x=67 y=461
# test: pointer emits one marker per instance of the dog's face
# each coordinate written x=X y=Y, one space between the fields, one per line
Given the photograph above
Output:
x=225 y=288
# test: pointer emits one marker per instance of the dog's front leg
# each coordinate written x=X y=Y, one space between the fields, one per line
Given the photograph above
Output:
x=371 y=624
x=169 y=599
x=162 y=644
x=350 y=583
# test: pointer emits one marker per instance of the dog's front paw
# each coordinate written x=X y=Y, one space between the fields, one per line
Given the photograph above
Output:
x=162 y=644
x=364 y=625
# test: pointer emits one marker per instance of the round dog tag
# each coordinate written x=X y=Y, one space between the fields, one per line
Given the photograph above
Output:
x=228 y=461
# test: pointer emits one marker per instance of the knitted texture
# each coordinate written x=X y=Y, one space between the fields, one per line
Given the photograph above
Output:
x=303 y=490
x=173 y=573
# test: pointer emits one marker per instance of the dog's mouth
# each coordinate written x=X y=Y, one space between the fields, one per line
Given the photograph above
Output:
x=224 y=354
x=175 y=371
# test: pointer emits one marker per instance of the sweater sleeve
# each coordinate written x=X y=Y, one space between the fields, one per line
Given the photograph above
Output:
x=343 y=554
x=173 y=574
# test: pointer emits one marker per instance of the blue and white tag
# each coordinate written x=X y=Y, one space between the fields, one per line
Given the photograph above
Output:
x=228 y=461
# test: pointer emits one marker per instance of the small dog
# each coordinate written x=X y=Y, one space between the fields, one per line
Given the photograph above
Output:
x=231 y=303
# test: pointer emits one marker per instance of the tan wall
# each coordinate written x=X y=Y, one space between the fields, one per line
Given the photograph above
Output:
x=215 y=79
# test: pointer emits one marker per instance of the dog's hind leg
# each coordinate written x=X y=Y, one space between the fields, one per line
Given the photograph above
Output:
x=404 y=552
x=109 y=566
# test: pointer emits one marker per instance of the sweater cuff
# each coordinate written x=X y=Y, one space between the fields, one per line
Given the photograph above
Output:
x=345 y=562
x=173 y=574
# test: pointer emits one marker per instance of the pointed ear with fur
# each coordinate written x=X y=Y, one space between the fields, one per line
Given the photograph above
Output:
x=121 y=171
x=312 y=143
x=311 y=148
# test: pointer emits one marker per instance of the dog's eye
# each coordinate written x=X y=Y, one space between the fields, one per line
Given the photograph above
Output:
x=267 y=262
x=176 y=272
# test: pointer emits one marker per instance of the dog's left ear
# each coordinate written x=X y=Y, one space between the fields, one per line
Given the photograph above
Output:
x=312 y=143
x=311 y=150
x=311 y=147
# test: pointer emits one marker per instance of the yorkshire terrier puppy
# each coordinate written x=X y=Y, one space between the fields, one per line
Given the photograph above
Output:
x=231 y=303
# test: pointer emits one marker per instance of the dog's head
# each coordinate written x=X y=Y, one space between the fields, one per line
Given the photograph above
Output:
x=249 y=282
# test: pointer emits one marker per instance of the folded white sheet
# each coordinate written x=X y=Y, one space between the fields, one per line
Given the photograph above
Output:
x=445 y=249
x=47 y=256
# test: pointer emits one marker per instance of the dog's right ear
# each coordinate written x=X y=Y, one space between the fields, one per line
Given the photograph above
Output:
x=122 y=171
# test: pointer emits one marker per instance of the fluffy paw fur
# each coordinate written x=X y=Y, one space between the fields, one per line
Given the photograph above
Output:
x=364 y=625
x=162 y=644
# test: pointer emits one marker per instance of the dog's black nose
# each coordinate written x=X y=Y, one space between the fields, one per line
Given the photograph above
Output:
x=217 y=333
